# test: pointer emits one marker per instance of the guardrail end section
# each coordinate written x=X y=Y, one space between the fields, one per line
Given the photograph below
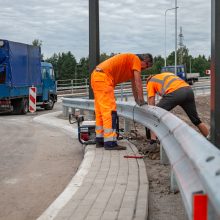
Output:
x=200 y=206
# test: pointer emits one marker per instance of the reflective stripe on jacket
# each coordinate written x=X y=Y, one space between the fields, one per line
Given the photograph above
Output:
x=164 y=83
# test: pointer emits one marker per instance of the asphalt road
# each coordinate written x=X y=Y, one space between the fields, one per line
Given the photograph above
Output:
x=36 y=164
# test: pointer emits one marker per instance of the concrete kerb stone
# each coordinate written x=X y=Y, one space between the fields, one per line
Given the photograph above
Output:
x=121 y=183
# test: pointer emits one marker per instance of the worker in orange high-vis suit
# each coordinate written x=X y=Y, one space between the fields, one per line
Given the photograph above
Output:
x=174 y=91
x=119 y=68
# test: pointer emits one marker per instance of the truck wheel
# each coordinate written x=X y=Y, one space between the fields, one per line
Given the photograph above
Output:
x=16 y=106
x=50 y=104
x=191 y=82
x=20 y=106
x=24 y=108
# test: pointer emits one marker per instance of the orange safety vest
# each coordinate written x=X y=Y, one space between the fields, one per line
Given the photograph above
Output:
x=164 y=83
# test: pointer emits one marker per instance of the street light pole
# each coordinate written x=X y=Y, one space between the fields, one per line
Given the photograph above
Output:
x=175 y=36
x=94 y=50
x=165 y=43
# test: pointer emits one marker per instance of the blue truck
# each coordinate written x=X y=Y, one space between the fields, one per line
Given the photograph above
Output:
x=20 y=69
x=181 y=72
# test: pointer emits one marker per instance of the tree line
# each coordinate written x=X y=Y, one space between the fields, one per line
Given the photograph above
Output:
x=66 y=66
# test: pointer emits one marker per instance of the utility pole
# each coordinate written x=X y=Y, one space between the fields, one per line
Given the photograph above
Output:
x=165 y=35
x=181 y=45
x=175 y=36
x=93 y=39
x=215 y=73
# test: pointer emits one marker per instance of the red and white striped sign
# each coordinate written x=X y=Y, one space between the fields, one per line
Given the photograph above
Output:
x=32 y=99
x=208 y=72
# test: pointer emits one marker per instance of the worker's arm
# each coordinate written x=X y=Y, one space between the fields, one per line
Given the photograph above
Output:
x=137 y=88
x=151 y=100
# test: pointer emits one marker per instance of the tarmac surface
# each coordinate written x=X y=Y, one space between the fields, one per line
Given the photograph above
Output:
x=36 y=164
x=106 y=185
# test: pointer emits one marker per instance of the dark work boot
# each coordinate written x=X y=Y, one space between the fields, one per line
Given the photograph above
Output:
x=116 y=147
x=99 y=144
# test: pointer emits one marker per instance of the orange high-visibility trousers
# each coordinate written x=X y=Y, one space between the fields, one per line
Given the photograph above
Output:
x=105 y=109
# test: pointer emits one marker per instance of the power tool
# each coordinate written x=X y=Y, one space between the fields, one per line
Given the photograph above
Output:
x=86 y=128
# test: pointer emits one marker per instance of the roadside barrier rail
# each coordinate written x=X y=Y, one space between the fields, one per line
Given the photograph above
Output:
x=124 y=93
x=195 y=162
x=81 y=90
x=71 y=84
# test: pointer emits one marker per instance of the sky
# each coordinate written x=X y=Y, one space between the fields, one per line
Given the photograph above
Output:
x=136 y=26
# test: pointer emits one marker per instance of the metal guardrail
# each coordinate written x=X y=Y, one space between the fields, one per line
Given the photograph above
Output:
x=122 y=90
x=124 y=93
x=72 y=84
x=204 y=78
x=195 y=161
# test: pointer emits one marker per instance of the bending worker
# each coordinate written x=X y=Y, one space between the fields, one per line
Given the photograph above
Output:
x=119 y=68
x=174 y=91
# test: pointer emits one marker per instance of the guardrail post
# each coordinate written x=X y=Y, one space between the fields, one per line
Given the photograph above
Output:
x=122 y=93
x=173 y=184
x=90 y=115
x=56 y=83
x=65 y=111
x=194 y=90
x=87 y=86
x=71 y=110
x=163 y=156
x=72 y=86
x=127 y=126
x=126 y=98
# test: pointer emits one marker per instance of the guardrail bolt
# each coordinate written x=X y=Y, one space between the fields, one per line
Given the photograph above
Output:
x=217 y=173
x=210 y=158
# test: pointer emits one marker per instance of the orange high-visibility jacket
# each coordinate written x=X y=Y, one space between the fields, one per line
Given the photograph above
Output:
x=164 y=83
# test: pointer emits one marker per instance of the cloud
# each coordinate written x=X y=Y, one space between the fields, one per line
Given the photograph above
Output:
x=125 y=26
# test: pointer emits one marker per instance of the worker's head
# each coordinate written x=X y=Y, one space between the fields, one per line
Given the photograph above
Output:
x=146 y=60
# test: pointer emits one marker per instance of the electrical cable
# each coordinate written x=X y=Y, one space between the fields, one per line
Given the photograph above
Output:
x=133 y=118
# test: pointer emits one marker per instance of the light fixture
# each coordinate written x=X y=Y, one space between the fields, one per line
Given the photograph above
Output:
x=1 y=43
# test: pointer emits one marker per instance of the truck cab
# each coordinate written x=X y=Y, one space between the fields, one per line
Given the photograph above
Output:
x=181 y=72
x=49 y=96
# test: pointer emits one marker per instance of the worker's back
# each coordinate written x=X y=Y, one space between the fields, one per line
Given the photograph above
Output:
x=164 y=83
x=119 y=68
